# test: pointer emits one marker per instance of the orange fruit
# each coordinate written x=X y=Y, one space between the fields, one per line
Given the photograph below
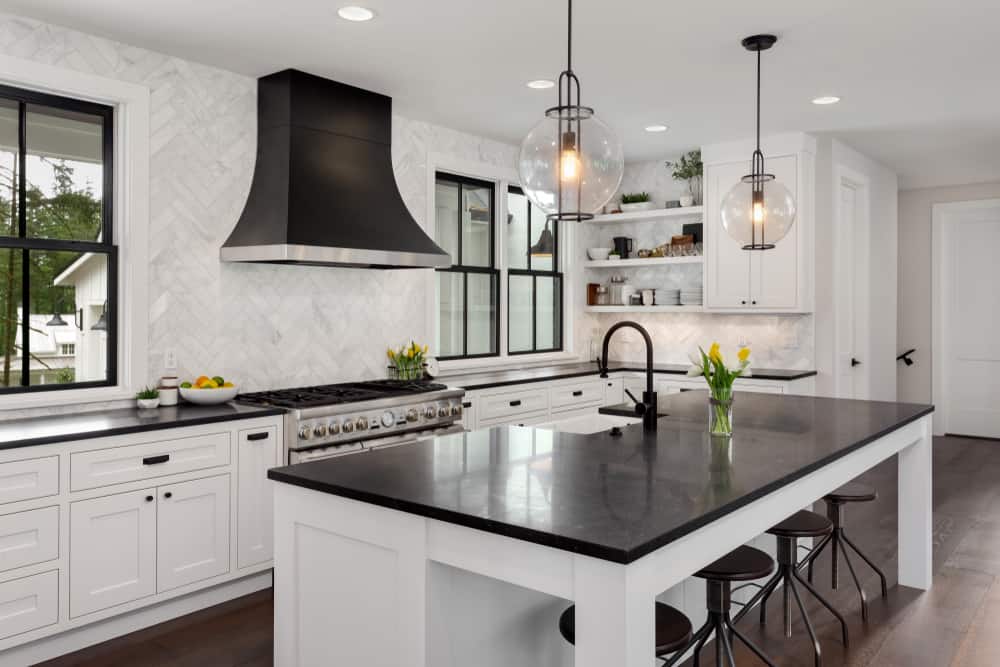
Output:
x=202 y=379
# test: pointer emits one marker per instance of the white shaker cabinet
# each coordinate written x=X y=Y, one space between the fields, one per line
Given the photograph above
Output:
x=258 y=451
x=775 y=280
x=112 y=550
x=192 y=531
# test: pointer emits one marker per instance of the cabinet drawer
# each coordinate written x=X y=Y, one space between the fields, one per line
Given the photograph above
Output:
x=29 y=603
x=32 y=478
x=130 y=463
x=577 y=395
x=30 y=537
x=511 y=405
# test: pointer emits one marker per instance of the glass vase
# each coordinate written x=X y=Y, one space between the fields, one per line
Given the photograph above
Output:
x=409 y=372
x=720 y=416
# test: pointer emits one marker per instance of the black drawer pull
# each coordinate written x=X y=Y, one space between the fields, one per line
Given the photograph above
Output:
x=514 y=404
x=467 y=404
x=258 y=436
x=149 y=499
x=152 y=460
x=168 y=494
x=578 y=392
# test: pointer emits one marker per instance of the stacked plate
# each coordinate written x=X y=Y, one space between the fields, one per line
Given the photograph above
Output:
x=667 y=297
x=691 y=296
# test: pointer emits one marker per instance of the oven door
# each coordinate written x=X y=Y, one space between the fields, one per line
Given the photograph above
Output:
x=411 y=438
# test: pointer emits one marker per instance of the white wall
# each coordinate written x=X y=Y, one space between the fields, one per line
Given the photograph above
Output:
x=914 y=305
x=882 y=261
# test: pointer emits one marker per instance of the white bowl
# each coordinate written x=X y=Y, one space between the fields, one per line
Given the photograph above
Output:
x=598 y=253
x=208 y=396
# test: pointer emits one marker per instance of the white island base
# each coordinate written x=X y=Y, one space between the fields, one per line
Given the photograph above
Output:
x=360 y=585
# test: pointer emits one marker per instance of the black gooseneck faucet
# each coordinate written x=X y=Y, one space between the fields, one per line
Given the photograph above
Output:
x=646 y=408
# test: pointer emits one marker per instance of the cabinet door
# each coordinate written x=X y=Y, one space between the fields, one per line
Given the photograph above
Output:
x=727 y=269
x=112 y=547
x=192 y=531
x=614 y=391
x=774 y=279
x=258 y=451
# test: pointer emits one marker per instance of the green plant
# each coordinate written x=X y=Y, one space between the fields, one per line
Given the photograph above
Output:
x=720 y=379
x=635 y=197
x=147 y=393
x=690 y=169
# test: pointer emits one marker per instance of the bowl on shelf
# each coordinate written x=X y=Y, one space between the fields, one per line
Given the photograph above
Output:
x=208 y=396
x=598 y=254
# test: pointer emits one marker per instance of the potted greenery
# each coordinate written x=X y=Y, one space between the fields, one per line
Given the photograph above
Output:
x=148 y=398
x=689 y=169
x=636 y=201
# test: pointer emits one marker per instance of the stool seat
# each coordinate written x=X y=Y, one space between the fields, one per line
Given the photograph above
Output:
x=803 y=524
x=852 y=492
x=741 y=564
x=673 y=629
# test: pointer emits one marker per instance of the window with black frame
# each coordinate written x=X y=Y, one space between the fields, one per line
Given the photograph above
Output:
x=58 y=261
x=468 y=291
x=534 y=283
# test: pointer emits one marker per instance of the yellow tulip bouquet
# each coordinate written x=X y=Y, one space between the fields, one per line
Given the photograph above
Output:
x=720 y=380
x=407 y=362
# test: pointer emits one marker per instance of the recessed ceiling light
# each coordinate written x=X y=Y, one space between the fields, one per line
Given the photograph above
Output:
x=657 y=128
x=826 y=99
x=541 y=84
x=353 y=13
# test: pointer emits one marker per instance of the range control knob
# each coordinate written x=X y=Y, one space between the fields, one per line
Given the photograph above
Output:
x=333 y=428
x=456 y=410
x=430 y=412
x=412 y=415
x=361 y=424
x=305 y=433
x=319 y=430
x=348 y=426
x=443 y=411
x=388 y=419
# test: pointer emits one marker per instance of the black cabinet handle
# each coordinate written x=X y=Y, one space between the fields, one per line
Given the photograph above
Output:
x=754 y=302
x=743 y=302
x=153 y=460
x=168 y=494
x=149 y=499
x=578 y=392
x=258 y=436
x=854 y=362
x=467 y=404
x=514 y=404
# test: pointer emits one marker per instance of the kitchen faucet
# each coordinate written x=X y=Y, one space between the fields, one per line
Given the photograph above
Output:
x=646 y=408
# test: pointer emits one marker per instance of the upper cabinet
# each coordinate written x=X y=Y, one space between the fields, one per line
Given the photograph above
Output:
x=777 y=280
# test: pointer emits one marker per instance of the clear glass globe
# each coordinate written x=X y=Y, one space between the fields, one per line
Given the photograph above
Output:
x=767 y=221
x=590 y=164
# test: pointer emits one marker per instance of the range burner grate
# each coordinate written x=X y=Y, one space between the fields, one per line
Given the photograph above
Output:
x=338 y=394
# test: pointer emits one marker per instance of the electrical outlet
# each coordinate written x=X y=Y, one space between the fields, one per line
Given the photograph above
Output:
x=170 y=359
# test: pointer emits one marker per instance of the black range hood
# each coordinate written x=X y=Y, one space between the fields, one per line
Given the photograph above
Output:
x=323 y=190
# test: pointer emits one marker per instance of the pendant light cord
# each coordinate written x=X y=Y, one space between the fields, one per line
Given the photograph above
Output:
x=758 y=100
x=569 y=37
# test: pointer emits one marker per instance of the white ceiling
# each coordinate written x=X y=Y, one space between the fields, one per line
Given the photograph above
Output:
x=918 y=78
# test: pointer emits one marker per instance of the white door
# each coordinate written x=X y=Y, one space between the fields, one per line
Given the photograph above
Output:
x=727 y=269
x=851 y=334
x=258 y=451
x=774 y=273
x=967 y=236
x=192 y=531
x=112 y=547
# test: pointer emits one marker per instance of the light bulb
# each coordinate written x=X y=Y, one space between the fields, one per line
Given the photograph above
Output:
x=569 y=165
x=758 y=212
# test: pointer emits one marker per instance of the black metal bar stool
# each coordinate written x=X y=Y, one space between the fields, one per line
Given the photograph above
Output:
x=741 y=564
x=838 y=540
x=800 y=524
x=673 y=629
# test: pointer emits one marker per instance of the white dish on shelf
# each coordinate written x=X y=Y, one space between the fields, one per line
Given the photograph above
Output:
x=598 y=254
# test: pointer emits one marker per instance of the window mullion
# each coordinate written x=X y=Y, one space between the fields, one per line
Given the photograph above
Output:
x=22 y=230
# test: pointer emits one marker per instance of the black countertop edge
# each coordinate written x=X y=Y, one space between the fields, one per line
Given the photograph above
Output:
x=124 y=421
x=623 y=557
x=548 y=374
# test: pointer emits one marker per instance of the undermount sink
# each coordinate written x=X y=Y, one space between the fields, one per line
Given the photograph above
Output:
x=586 y=424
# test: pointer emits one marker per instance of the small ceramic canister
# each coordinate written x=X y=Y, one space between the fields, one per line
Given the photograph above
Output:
x=169 y=381
x=168 y=396
x=647 y=297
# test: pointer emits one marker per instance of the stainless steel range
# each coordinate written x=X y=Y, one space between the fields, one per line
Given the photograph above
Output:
x=338 y=419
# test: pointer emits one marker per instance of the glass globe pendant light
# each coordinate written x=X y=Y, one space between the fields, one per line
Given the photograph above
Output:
x=571 y=163
x=759 y=210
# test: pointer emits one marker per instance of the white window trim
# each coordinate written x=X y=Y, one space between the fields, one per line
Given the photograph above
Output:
x=501 y=177
x=131 y=219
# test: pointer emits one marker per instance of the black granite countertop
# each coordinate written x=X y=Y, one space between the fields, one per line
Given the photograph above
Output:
x=490 y=379
x=101 y=423
x=611 y=497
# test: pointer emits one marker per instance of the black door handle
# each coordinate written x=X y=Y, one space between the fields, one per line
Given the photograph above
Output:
x=578 y=392
x=514 y=404
x=149 y=499
x=854 y=362
x=168 y=495
x=258 y=436
x=467 y=404
x=152 y=460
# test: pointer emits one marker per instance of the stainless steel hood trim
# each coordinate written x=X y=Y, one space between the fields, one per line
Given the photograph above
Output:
x=324 y=255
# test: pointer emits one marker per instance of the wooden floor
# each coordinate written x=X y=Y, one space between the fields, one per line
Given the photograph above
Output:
x=955 y=624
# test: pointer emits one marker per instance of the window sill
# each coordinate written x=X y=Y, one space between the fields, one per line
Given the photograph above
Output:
x=55 y=399
x=461 y=366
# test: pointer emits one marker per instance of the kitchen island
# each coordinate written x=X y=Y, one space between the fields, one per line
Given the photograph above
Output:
x=607 y=521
